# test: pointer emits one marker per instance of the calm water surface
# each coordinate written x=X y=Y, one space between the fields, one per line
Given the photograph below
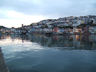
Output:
x=39 y=53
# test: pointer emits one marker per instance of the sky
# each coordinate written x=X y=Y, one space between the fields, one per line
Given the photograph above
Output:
x=13 y=13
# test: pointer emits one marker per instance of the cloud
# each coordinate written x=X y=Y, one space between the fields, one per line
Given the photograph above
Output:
x=15 y=19
x=49 y=7
x=25 y=6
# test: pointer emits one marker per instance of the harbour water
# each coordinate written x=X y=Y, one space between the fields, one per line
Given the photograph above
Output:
x=40 y=53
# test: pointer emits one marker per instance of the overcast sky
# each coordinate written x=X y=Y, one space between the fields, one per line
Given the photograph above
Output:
x=17 y=12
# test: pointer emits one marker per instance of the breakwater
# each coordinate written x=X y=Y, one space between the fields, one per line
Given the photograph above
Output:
x=3 y=67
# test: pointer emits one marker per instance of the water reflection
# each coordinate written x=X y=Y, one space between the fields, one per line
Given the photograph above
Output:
x=61 y=42
x=40 y=53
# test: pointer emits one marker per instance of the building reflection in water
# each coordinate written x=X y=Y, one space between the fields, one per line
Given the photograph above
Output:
x=69 y=42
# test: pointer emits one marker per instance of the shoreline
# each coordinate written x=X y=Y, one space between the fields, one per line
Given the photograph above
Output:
x=3 y=67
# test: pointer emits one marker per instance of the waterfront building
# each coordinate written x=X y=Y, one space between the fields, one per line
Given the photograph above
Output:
x=92 y=29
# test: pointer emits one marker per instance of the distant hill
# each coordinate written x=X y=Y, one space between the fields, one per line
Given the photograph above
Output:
x=2 y=27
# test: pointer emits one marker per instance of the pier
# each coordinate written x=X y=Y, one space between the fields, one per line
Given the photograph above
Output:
x=3 y=67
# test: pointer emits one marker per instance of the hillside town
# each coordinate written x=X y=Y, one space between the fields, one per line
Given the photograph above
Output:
x=61 y=26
